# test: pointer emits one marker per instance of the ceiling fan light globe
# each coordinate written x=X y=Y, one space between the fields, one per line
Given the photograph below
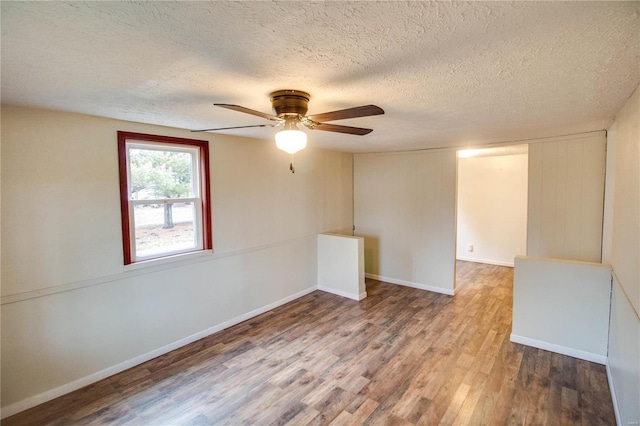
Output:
x=291 y=141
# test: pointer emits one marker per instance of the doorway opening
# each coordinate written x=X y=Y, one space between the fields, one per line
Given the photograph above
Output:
x=491 y=205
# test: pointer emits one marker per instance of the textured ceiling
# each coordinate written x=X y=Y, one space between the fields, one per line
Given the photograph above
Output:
x=447 y=74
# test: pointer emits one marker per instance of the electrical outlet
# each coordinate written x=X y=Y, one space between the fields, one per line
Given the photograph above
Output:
x=470 y=247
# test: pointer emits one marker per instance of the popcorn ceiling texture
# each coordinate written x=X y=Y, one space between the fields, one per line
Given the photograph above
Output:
x=447 y=74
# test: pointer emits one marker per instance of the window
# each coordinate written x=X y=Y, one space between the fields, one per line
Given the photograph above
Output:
x=164 y=196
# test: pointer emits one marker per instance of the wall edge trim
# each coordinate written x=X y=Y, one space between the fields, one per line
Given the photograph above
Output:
x=352 y=296
x=411 y=284
x=562 y=350
x=624 y=291
x=612 y=389
x=46 y=396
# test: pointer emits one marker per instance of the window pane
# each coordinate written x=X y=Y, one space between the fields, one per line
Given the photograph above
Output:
x=164 y=228
x=159 y=174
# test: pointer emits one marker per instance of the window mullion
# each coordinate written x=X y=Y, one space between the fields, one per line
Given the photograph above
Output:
x=165 y=201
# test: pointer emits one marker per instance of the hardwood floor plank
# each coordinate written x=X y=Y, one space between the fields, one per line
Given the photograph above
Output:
x=364 y=411
x=304 y=417
x=401 y=356
x=456 y=404
x=344 y=418
x=475 y=393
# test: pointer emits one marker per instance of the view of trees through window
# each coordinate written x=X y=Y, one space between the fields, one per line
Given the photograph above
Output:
x=164 y=196
x=161 y=176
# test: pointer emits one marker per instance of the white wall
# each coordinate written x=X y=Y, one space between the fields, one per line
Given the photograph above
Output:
x=492 y=208
x=341 y=265
x=562 y=306
x=404 y=207
x=72 y=314
x=622 y=235
x=566 y=191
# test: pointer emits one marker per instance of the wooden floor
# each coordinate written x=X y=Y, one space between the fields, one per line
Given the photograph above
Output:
x=401 y=356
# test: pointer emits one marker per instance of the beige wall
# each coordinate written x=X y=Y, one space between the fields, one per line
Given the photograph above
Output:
x=623 y=235
x=404 y=207
x=72 y=313
x=492 y=208
x=566 y=190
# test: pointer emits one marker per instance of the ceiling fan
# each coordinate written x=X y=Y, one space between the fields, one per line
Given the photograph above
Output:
x=290 y=108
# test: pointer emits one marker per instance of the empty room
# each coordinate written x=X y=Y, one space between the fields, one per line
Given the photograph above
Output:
x=344 y=212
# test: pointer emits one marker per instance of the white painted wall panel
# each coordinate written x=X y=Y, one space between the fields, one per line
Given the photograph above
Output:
x=566 y=192
x=562 y=306
x=492 y=208
x=624 y=356
x=341 y=265
x=404 y=206
x=433 y=238
x=626 y=209
x=61 y=231
x=623 y=234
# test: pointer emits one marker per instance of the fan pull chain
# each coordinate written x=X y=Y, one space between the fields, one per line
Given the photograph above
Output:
x=293 y=170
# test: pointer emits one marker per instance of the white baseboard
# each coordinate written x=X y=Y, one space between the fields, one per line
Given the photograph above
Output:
x=488 y=262
x=31 y=402
x=563 y=350
x=450 y=292
x=353 y=296
x=612 y=389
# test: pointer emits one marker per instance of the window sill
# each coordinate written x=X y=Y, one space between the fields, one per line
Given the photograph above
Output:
x=175 y=260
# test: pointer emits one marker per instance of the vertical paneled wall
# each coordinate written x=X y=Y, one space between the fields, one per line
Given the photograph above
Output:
x=566 y=190
x=624 y=236
x=404 y=207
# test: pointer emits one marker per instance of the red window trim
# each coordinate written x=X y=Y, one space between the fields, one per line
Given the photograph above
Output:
x=124 y=190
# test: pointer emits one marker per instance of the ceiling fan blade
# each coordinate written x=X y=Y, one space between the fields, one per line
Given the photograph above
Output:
x=341 y=129
x=249 y=111
x=361 y=111
x=237 y=127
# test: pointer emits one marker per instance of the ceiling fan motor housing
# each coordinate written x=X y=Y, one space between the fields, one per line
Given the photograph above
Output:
x=290 y=108
x=290 y=102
